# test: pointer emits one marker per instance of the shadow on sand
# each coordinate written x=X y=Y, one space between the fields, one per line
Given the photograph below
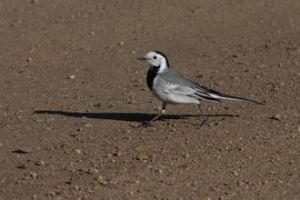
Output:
x=126 y=116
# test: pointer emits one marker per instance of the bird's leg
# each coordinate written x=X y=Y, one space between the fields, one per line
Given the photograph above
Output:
x=162 y=111
x=204 y=118
x=200 y=110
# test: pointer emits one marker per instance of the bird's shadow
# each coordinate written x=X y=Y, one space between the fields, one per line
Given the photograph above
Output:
x=124 y=116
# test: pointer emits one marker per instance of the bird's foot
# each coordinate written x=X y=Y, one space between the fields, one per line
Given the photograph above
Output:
x=204 y=120
x=146 y=124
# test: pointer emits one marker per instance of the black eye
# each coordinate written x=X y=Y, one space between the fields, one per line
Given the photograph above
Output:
x=154 y=57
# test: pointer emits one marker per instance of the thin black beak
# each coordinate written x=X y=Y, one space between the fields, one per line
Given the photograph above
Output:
x=142 y=58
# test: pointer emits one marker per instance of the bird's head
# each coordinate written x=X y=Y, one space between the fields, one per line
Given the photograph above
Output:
x=156 y=59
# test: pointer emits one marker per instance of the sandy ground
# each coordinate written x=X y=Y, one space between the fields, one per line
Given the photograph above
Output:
x=73 y=97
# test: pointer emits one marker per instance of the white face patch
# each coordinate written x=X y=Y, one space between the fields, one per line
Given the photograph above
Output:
x=156 y=59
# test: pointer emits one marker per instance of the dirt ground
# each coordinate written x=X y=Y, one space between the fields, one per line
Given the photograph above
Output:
x=73 y=97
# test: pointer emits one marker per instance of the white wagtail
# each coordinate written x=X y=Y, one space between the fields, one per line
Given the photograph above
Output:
x=172 y=88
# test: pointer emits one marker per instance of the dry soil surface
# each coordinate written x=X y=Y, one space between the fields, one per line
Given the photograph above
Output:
x=73 y=98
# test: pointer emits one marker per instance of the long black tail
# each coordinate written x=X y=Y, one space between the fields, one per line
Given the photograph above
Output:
x=234 y=98
x=220 y=96
x=212 y=95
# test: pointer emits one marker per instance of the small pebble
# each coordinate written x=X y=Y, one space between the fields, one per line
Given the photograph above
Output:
x=98 y=104
x=72 y=77
x=40 y=163
x=121 y=43
x=93 y=171
x=88 y=125
x=134 y=125
x=187 y=155
x=235 y=173
x=23 y=150
x=78 y=151
x=125 y=131
x=22 y=166
x=101 y=180
x=142 y=157
x=117 y=154
x=276 y=117
x=33 y=174
x=76 y=187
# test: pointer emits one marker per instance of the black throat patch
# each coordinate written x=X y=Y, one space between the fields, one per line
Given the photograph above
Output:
x=152 y=73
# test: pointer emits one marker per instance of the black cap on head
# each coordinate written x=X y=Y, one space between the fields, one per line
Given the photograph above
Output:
x=164 y=55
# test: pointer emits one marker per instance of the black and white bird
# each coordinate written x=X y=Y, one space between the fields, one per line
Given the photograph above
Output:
x=172 y=88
